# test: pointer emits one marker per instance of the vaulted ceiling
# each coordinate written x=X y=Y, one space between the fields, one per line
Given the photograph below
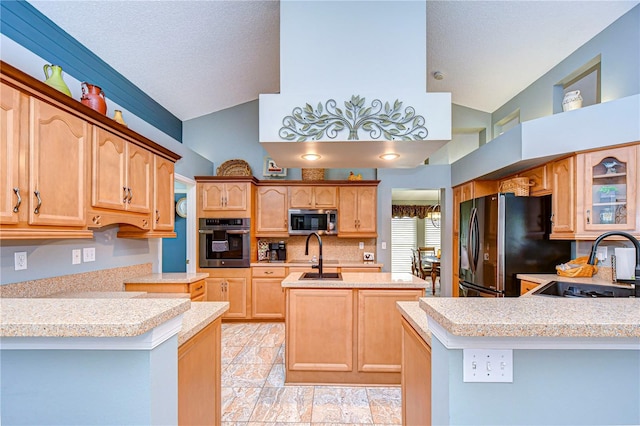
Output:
x=198 y=57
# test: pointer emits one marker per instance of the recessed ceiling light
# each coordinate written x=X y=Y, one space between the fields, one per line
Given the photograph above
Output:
x=311 y=157
x=390 y=156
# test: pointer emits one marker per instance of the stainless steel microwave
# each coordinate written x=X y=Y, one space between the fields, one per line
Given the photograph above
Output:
x=303 y=222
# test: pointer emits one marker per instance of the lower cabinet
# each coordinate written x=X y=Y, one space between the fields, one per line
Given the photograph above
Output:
x=233 y=286
x=267 y=294
x=527 y=286
x=199 y=381
x=344 y=335
x=196 y=289
x=416 y=378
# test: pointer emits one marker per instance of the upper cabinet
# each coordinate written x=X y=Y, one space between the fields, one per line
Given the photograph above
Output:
x=595 y=192
x=313 y=197
x=272 y=212
x=357 y=211
x=163 y=194
x=65 y=171
x=225 y=196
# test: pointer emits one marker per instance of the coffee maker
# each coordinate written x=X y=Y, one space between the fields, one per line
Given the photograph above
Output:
x=277 y=252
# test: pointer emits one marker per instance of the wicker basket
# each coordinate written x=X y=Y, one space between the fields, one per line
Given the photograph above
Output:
x=519 y=186
x=234 y=168
x=312 y=174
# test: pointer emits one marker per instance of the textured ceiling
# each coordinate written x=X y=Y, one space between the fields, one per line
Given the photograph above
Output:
x=198 y=57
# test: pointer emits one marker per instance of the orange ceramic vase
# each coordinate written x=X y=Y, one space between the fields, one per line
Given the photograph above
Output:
x=93 y=97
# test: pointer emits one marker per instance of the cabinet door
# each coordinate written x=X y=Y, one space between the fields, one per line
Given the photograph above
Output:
x=267 y=298
x=416 y=378
x=140 y=163
x=609 y=193
x=109 y=173
x=325 y=197
x=301 y=197
x=272 y=211
x=214 y=291
x=199 y=378
x=348 y=210
x=163 y=197
x=367 y=206
x=211 y=196
x=539 y=180
x=10 y=155
x=379 y=337
x=236 y=196
x=236 y=289
x=330 y=312
x=563 y=197
x=58 y=165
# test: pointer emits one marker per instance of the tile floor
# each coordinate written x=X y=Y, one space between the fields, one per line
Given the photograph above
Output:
x=254 y=393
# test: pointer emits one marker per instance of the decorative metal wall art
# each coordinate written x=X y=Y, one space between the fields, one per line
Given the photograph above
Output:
x=379 y=120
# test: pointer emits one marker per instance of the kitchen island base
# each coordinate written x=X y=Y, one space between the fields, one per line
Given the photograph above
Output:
x=338 y=334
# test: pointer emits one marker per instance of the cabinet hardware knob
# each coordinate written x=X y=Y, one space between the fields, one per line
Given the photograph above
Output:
x=37 y=209
x=130 y=195
x=16 y=208
x=268 y=272
x=157 y=216
x=588 y=217
x=124 y=194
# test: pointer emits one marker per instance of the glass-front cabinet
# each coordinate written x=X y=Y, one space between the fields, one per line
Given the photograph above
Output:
x=610 y=189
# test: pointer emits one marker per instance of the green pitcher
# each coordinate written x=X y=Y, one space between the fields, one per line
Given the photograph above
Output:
x=54 y=78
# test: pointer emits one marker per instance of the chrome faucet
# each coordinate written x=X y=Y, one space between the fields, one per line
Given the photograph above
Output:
x=596 y=243
x=306 y=252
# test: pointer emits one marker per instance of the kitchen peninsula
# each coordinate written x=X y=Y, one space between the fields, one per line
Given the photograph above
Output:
x=346 y=330
x=575 y=361
x=110 y=357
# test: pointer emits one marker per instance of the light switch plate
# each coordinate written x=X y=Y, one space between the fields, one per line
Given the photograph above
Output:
x=89 y=254
x=76 y=256
x=487 y=365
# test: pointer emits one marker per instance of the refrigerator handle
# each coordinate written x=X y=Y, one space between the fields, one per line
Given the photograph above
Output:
x=473 y=240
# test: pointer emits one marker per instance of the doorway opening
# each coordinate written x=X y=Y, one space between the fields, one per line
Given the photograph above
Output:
x=178 y=254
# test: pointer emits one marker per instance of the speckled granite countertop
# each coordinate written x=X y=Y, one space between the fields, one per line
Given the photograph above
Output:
x=198 y=317
x=168 y=278
x=94 y=317
x=536 y=316
x=546 y=278
x=412 y=312
x=358 y=280
x=297 y=263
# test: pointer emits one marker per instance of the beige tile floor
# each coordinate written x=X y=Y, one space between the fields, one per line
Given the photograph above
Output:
x=254 y=393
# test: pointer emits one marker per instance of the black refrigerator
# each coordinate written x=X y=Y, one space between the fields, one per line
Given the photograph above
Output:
x=502 y=235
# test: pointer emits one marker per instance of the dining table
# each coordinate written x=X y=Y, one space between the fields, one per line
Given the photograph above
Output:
x=435 y=264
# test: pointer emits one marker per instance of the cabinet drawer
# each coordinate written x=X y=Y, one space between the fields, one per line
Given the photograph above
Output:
x=197 y=289
x=526 y=286
x=269 y=271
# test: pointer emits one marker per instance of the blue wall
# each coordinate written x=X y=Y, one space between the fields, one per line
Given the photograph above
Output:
x=550 y=387
x=174 y=250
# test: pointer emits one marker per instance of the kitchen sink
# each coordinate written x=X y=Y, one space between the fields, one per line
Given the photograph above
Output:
x=325 y=276
x=325 y=261
x=569 y=289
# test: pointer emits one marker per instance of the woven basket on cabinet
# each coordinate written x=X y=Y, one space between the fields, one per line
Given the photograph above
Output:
x=312 y=174
x=519 y=186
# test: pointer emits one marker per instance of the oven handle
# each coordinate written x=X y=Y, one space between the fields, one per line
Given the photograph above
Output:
x=228 y=231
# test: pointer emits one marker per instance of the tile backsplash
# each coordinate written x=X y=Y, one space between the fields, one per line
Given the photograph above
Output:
x=333 y=248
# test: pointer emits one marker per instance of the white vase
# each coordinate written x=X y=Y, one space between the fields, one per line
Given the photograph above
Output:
x=572 y=100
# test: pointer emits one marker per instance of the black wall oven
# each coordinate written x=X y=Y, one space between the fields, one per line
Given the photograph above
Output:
x=224 y=243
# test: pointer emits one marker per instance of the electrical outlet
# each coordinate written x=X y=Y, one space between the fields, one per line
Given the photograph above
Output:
x=383 y=245
x=89 y=254
x=76 y=256
x=601 y=253
x=487 y=365
x=20 y=260
x=361 y=245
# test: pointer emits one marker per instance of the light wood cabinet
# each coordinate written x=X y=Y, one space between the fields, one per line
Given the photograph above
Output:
x=357 y=211
x=563 y=209
x=272 y=211
x=225 y=196
x=233 y=286
x=607 y=191
x=121 y=174
x=10 y=133
x=539 y=179
x=416 y=378
x=163 y=194
x=47 y=158
x=267 y=294
x=199 y=377
x=379 y=341
x=313 y=197
x=344 y=335
x=527 y=286
x=196 y=289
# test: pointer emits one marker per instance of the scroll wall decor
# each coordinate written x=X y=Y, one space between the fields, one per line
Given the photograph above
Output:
x=380 y=120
